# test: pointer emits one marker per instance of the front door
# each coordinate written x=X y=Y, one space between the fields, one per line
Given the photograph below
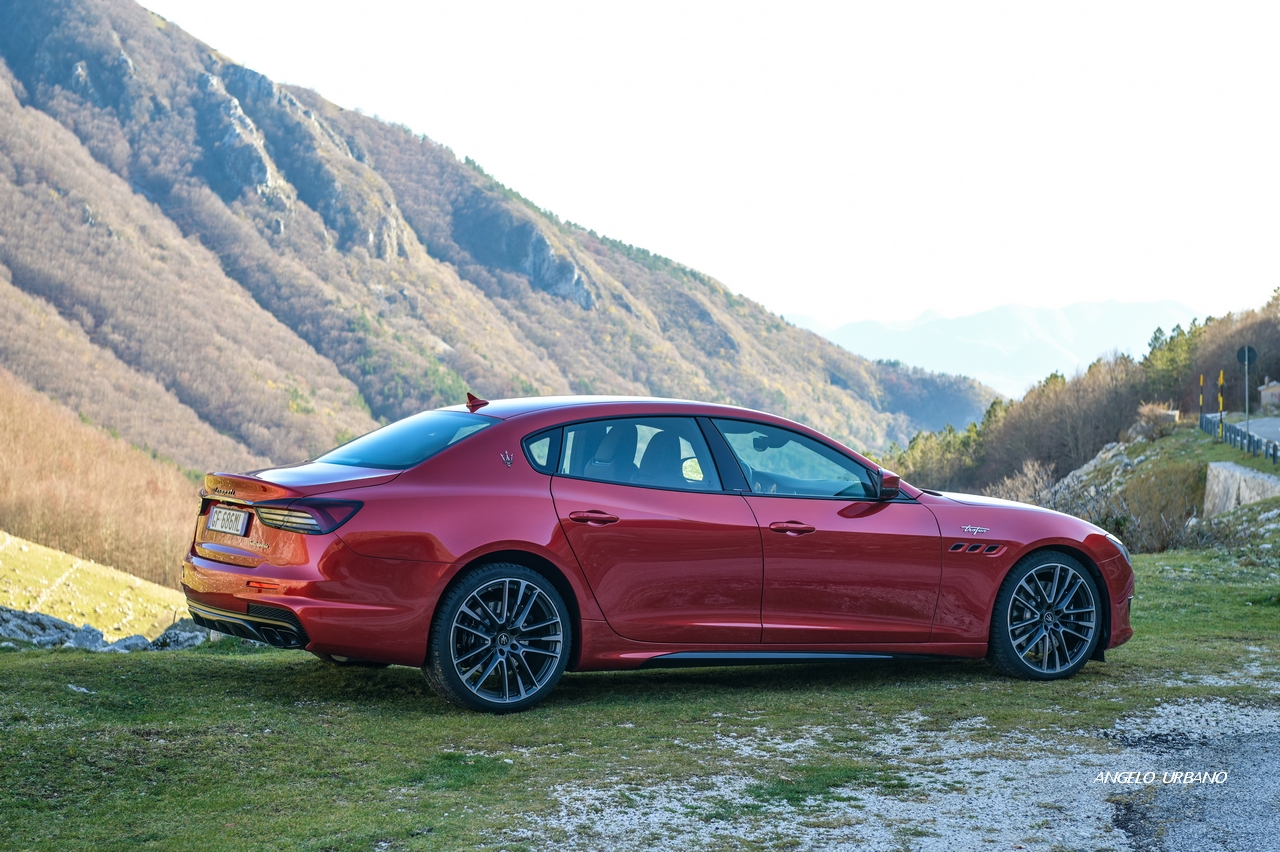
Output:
x=669 y=555
x=840 y=566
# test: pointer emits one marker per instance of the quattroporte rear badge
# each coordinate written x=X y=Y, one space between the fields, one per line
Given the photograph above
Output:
x=971 y=530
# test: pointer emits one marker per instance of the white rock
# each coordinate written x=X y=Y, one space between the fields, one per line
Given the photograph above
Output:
x=1229 y=485
x=87 y=638
x=136 y=642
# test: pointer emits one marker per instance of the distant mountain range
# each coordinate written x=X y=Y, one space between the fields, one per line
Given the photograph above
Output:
x=1011 y=347
x=232 y=272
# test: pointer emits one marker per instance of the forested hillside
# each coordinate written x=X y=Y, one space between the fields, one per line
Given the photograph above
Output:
x=1062 y=422
x=230 y=272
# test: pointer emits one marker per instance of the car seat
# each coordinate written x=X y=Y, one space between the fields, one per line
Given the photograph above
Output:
x=661 y=463
x=614 y=460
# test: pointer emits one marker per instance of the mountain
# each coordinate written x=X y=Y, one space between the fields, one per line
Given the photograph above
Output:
x=1011 y=347
x=231 y=272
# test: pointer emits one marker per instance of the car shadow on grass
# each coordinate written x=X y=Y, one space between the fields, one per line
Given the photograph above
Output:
x=230 y=675
x=780 y=681
x=297 y=678
x=396 y=689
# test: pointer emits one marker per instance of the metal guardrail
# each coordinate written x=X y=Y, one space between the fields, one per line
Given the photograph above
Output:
x=1237 y=437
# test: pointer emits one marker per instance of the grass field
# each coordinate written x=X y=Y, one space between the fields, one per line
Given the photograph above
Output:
x=230 y=747
x=40 y=579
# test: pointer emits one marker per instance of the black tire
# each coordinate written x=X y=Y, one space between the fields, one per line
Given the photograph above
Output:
x=1047 y=619
x=500 y=640
x=337 y=660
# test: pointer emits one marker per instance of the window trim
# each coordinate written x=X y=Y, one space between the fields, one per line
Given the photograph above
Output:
x=553 y=452
x=724 y=457
x=872 y=474
x=714 y=461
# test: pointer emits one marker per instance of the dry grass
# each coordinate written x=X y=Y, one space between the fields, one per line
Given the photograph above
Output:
x=72 y=487
x=1156 y=420
x=1028 y=485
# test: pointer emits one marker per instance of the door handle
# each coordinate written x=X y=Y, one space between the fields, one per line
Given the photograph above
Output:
x=594 y=517
x=792 y=527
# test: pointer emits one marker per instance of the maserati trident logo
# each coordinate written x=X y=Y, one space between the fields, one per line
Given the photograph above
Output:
x=507 y=458
x=971 y=530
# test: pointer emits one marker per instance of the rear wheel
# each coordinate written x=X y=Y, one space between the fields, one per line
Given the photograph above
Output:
x=1047 y=619
x=500 y=640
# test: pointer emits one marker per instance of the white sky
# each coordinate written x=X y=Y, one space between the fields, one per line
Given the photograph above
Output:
x=841 y=160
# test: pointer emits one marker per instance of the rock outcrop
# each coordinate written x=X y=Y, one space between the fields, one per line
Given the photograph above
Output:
x=45 y=631
x=235 y=140
x=1230 y=485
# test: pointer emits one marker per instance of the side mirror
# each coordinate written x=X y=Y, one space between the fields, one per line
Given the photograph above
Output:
x=890 y=484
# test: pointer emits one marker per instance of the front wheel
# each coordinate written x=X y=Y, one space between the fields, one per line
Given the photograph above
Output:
x=500 y=640
x=1047 y=619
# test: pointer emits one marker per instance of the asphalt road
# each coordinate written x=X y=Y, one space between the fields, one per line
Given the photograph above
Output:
x=1242 y=813
x=1264 y=427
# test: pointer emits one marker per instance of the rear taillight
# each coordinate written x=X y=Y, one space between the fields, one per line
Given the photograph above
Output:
x=309 y=516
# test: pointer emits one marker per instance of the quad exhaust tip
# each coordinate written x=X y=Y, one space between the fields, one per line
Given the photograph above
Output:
x=270 y=625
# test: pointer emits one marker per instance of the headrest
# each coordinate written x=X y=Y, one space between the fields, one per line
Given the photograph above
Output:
x=618 y=446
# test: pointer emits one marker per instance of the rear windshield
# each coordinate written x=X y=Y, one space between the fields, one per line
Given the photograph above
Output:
x=409 y=441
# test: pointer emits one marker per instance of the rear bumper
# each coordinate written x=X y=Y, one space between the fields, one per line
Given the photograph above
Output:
x=344 y=604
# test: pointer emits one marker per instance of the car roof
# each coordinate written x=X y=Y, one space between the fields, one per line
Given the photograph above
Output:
x=591 y=406
x=504 y=409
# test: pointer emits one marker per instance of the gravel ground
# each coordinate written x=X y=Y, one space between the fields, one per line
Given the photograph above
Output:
x=1114 y=790
x=1241 y=813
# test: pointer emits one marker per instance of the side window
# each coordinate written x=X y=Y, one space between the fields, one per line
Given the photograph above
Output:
x=779 y=461
x=543 y=450
x=656 y=452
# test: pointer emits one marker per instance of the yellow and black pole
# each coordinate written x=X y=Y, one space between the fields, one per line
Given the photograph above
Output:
x=1202 y=400
x=1222 y=382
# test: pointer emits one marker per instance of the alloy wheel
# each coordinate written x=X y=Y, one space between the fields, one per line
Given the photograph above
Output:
x=506 y=641
x=1052 y=618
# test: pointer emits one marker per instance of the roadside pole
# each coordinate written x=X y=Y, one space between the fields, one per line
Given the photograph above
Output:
x=1246 y=355
x=1222 y=381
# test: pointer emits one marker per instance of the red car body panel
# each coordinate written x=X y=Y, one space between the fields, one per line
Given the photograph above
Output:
x=869 y=572
x=677 y=566
x=679 y=571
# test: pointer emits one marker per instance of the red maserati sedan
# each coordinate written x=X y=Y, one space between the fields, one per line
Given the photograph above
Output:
x=497 y=544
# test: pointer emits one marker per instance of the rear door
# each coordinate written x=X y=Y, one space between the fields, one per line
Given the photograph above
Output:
x=839 y=565
x=670 y=556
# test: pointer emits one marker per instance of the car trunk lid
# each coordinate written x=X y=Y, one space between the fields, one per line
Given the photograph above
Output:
x=230 y=528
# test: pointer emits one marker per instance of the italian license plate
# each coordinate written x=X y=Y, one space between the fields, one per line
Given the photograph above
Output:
x=231 y=521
